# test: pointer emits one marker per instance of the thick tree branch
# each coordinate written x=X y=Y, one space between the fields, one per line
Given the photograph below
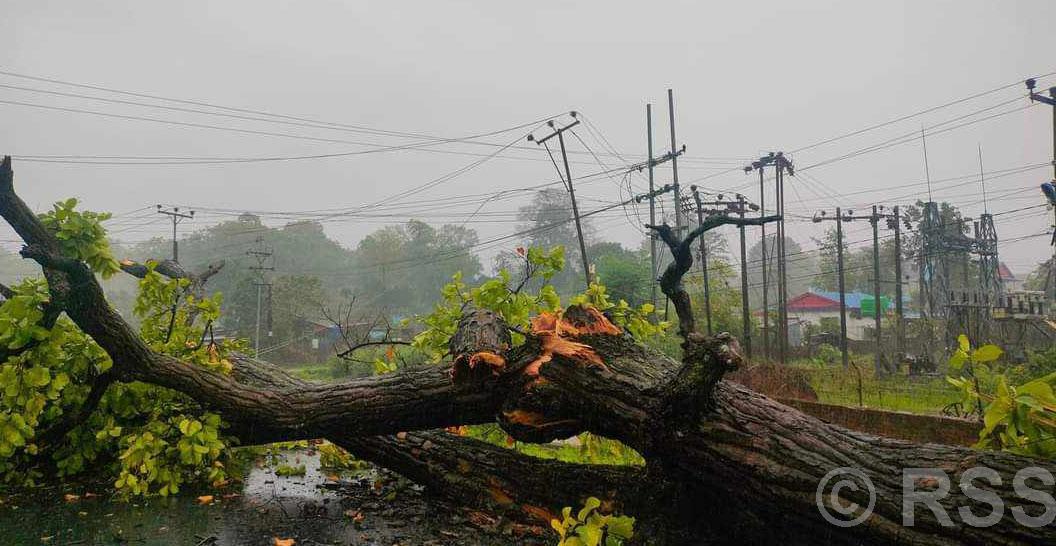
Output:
x=172 y=270
x=416 y=398
x=756 y=462
x=50 y=438
x=681 y=251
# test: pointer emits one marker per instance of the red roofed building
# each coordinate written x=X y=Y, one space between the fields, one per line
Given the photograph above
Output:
x=811 y=307
x=1008 y=278
x=810 y=302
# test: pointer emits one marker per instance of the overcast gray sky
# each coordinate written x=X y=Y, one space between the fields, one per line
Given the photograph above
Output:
x=749 y=77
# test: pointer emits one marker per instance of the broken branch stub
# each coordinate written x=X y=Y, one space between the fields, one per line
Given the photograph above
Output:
x=671 y=279
x=479 y=345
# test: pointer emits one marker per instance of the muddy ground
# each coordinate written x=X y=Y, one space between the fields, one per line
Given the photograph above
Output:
x=370 y=508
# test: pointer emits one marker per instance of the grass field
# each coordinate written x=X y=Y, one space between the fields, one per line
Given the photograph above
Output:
x=834 y=385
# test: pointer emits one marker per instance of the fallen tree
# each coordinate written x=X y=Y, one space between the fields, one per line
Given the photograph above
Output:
x=724 y=462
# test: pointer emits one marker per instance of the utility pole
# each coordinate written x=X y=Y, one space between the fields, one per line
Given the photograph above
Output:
x=782 y=165
x=1051 y=101
x=746 y=318
x=900 y=327
x=725 y=207
x=650 y=163
x=176 y=216
x=262 y=254
x=760 y=166
x=674 y=153
x=874 y=219
x=560 y=134
x=652 y=201
x=877 y=302
x=703 y=260
x=839 y=281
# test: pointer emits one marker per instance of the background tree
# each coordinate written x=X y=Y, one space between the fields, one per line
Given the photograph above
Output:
x=955 y=227
x=404 y=266
x=857 y=263
x=549 y=222
x=625 y=273
x=1041 y=279
x=801 y=269
x=300 y=248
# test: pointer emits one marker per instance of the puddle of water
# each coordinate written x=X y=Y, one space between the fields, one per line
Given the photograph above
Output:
x=268 y=506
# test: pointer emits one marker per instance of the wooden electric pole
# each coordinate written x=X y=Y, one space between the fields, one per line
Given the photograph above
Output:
x=703 y=260
x=878 y=305
x=839 y=282
x=725 y=207
x=746 y=317
x=1051 y=101
x=262 y=254
x=653 y=271
x=760 y=166
x=782 y=166
x=559 y=133
x=900 y=326
x=650 y=163
x=176 y=216
x=674 y=153
x=878 y=302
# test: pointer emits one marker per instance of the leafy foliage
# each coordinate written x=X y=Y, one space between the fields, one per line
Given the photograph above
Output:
x=517 y=305
x=168 y=450
x=591 y=448
x=151 y=439
x=332 y=457
x=635 y=320
x=42 y=380
x=286 y=470
x=590 y=527
x=175 y=322
x=1020 y=419
x=82 y=236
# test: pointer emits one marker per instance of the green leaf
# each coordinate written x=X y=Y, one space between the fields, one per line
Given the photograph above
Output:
x=963 y=343
x=987 y=353
x=621 y=526
x=957 y=360
x=588 y=507
x=13 y=437
x=38 y=377
x=996 y=413
x=590 y=535
x=1040 y=390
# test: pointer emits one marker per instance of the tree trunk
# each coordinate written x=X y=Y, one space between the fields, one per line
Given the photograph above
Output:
x=720 y=456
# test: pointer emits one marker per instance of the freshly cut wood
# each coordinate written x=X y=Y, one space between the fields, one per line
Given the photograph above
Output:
x=730 y=463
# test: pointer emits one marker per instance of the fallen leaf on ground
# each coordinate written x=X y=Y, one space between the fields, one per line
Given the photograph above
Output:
x=70 y=497
x=276 y=541
x=205 y=499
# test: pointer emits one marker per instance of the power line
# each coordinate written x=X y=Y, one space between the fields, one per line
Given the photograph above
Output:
x=915 y=114
x=254 y=115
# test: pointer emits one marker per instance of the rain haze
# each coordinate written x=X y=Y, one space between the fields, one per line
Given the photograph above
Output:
x=748 y=79
x=422 y=273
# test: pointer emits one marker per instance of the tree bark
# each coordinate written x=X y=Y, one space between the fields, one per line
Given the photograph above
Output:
x=733 y=460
